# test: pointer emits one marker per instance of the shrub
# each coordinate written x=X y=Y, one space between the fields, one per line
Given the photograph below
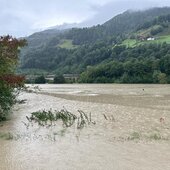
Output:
x=59 y=79
x=10 y=84
x=40 y=80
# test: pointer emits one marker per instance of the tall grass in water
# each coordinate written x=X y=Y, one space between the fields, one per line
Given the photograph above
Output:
x=49 y=118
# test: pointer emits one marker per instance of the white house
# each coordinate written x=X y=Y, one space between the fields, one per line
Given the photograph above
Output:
x=150 y=39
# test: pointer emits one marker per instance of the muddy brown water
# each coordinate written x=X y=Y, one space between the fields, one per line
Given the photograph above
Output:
x=135 y=136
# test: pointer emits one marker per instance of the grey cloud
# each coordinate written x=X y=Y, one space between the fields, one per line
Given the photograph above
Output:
x=109 y=10
x=23 y=17
x=20 y=17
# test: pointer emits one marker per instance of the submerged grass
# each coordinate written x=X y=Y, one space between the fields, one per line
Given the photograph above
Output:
x=134 y=136
x=155 y=136
x=149 y=137
x=68 y=119
x=6 y=136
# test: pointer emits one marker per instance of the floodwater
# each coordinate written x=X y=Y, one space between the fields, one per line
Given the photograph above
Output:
x=132 y=130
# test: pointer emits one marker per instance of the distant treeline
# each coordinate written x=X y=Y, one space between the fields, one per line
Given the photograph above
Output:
x=142 y=64
x=42 y=79
x=162 y=20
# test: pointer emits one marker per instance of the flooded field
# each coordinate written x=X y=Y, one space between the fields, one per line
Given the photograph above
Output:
x=131 y=130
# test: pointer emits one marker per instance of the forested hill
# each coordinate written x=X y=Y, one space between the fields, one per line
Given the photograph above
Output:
x=76 y=50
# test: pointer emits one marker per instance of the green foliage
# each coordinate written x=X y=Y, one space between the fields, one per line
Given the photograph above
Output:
x=49 y=118
x=156 y=30
x=142 y=64
x=7 y=99
x=10 y=84
x=162 y=78
x=161 y=19
x=60 y=60
x=59 y=79
x=40 y=80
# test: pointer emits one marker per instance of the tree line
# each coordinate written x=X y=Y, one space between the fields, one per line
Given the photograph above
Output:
x=142 y=64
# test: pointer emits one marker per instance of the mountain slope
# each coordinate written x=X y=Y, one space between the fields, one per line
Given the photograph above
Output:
x=72 y=51
x=120 y=25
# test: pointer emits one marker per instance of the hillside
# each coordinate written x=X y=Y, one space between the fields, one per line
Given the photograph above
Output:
x=75 y=50
x=154 y=31
x=115 y=29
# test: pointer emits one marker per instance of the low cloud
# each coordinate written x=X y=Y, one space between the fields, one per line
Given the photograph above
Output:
x=109 y=10
x=23 y=17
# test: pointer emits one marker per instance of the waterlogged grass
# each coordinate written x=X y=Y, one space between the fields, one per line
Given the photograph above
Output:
x=154 y=136
x=68 y=119
x=6 y=136
x=134 y=136
x=30 y=137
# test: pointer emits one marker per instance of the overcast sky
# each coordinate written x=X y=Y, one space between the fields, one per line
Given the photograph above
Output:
x=23 y=17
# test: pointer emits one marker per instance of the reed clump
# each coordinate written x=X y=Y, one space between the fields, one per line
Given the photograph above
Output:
x=68 y=119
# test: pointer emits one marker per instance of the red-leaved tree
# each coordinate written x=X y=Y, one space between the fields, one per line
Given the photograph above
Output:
x=9 y=82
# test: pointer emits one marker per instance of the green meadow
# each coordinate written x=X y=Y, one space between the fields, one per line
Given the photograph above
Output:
x=133 y=43
x=65 y=43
